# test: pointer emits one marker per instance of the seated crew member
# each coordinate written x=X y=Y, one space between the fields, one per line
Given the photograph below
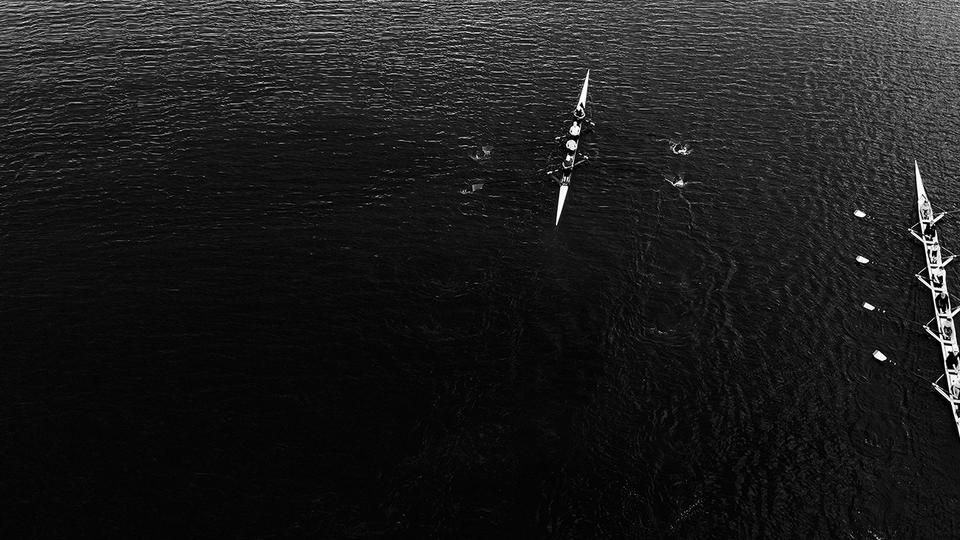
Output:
x=952 y=359
x=925 y=209
x=938 y=277
x=941 y=301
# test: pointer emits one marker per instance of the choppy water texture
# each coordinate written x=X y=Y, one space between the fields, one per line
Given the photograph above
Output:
x=250 y=289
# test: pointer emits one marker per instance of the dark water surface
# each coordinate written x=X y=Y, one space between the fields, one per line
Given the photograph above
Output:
x=247 y=290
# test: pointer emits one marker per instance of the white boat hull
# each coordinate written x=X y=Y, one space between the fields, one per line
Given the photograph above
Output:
x=567 y=175
x=944 y=314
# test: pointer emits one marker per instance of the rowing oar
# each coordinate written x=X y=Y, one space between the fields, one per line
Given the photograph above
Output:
x=580 y=161
x=870 y=307
x=865 y=261
x=882 y=358
x=864 y=216
x=912 y=229
x=945 y=212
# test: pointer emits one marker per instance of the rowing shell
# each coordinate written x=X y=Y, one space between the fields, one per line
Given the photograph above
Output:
x=936 y=281
x=568 y=173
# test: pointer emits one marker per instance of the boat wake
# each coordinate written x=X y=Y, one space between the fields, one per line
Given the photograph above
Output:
x=687 y=513
x=678 y=181
x=680 y=148
x=653 y=330
x=482 y=154
x=472 y=189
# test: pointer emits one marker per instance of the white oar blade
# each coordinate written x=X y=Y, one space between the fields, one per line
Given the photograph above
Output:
x=860 y=213
x=880 y=356
x=563 y=197
x=868 y=306
x=862 y=260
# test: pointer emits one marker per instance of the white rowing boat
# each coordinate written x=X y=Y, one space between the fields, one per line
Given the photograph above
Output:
x=567 y=172
x=936 y=280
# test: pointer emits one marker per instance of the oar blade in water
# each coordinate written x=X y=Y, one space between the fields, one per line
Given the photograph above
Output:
x=868 y=306
x=860 y=213
x=862 y=260
x=880 y=356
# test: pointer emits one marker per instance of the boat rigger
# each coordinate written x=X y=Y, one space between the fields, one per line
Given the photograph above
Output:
x=936 y=280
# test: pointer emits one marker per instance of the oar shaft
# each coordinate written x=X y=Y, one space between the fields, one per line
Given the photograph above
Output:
x=883 y=312
x=890 y=362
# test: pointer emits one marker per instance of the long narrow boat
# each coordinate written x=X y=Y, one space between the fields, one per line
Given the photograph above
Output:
x=568 y=171
x=936 y=280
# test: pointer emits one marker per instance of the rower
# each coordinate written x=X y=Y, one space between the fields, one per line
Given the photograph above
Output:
x=951 y=360
x=937 y=277
x=571 y=146
x=568 y=162
x=941 y=302
x=947 y=330
x=575 y=129
x=930 y=231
